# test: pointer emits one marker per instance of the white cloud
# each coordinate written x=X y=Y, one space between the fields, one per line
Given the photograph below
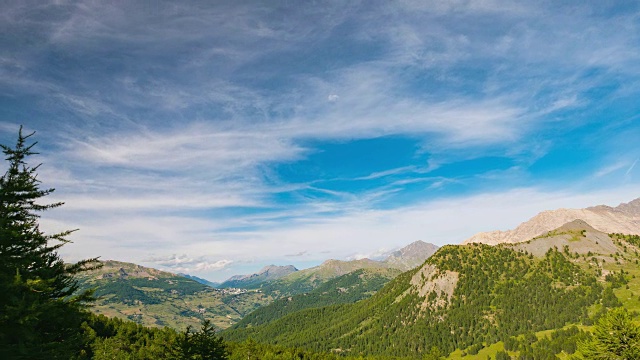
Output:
x=175 y=201
x=381 y=174
x=377 y=254
x=185 y=264
x=198 y=146
x=436 y=221
x=373 y=105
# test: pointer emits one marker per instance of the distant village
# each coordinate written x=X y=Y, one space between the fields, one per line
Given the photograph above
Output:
x=234 y=291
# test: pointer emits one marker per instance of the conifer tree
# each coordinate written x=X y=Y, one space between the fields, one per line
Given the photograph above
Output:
x=40 y=312
x=202 y=345
x=615 y=337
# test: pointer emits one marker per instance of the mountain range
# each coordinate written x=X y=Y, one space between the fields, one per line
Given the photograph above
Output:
x=624 y=218
x=157 y=298
x=288 y=280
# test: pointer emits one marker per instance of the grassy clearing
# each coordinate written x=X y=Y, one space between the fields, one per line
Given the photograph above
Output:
x=491 y=350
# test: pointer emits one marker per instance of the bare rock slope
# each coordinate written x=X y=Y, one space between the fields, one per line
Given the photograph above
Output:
x=411 y=255
x=625 y=218
x=575 y=237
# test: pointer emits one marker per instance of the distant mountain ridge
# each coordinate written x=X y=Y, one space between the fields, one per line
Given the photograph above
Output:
x=411 y=255
x=624 y=218
x=112 y=269
x=158 y=298
x=267 y=273
x=201 y=280
x=284 y=278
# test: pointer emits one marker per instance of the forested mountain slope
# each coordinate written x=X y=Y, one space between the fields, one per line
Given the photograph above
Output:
x=461 y=296
x=348 y=288
x=306 y=280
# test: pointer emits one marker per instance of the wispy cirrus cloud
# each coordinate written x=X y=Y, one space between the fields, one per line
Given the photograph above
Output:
x=633 y=165
x=612 y=168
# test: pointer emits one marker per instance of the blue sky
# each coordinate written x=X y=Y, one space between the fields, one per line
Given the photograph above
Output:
x=218 y=137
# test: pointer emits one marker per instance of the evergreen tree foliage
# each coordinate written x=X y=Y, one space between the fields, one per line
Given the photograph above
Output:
x=40 y=312
x=110 y=339
x=559 y=341
x=433 y=354
x=615 y=337
x=201 y=345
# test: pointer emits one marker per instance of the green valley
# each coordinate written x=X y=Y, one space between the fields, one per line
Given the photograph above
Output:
x=156 y=298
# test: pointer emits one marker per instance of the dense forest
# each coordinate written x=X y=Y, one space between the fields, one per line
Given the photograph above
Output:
x=463 y=298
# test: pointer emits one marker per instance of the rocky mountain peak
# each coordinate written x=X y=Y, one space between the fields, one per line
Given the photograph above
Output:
x=624 y=218
x=575 y=225
x=631 y=208
x=411 y=255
